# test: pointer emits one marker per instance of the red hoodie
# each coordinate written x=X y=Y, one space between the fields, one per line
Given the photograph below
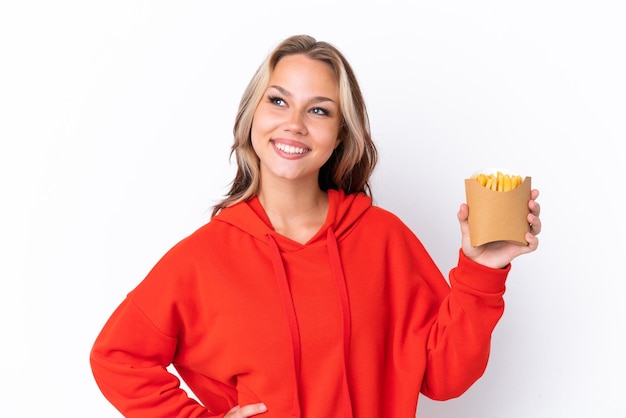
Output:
x=354 y=323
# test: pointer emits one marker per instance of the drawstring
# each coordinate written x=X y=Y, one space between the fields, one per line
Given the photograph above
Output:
x=342 y=291
x=290 y=311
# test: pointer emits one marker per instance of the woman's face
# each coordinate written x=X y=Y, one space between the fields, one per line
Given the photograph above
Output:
x=295 y=126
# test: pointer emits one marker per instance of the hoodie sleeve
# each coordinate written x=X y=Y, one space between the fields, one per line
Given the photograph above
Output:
x=460 y=338
x=129 y=360
x=130 y=356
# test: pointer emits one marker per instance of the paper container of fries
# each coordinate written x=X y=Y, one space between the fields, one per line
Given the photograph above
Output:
x=497 y=215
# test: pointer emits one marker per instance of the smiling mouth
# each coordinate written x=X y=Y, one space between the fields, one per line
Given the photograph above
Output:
x=290 y=149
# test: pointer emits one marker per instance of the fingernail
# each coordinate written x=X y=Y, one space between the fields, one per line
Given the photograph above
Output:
x=262 y=407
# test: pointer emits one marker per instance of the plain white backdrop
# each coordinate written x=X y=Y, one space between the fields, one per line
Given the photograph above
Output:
x=115 y=130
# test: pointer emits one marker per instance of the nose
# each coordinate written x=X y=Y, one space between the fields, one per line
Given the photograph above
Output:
x=295 y=122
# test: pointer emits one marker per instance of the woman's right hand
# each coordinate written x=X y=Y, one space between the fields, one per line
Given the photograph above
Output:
x=246 y=411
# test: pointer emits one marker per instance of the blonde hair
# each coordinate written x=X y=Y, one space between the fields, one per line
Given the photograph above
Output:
x=350 y=166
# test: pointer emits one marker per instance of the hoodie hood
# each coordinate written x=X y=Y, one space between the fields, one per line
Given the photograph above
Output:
x=344 y=211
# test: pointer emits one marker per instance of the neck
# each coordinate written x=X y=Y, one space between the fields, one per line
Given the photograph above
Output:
x=296 y=212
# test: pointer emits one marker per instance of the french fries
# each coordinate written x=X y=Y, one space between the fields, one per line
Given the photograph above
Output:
x=498 y=182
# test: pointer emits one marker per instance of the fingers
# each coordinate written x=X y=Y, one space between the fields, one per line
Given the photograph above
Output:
x=533 y=216
x=533 y=243
x=463 y=212
x=535 y=208
x=462 y=215
x=253 y=409
x=535 y=224
x=246 y=411
x=534 y=194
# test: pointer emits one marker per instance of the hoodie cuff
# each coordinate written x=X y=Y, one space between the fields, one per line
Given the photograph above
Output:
x=478 y=277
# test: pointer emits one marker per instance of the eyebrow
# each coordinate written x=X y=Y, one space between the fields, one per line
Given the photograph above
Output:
x=316 y=99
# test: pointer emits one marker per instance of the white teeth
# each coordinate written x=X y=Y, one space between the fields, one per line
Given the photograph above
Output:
x=290 y=149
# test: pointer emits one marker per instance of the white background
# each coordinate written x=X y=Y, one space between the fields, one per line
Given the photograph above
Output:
x=115 y=129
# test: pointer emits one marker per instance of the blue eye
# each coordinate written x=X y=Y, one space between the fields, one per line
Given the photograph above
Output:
x=276 y=100
x=319 y=111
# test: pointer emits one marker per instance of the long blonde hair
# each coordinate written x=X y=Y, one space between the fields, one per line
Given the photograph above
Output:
x=350 y=166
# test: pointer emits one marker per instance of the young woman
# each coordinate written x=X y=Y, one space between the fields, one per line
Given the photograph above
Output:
x=300 y=298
